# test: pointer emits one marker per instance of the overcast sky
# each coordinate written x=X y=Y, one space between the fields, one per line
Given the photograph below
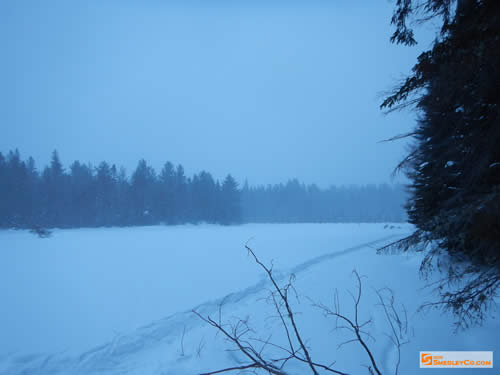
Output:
x=267 y=90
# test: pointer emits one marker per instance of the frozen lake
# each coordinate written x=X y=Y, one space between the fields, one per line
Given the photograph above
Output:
x=81 y=287
x=116 y=301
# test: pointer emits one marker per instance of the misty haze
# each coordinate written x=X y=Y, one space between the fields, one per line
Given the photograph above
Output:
x=270 y=187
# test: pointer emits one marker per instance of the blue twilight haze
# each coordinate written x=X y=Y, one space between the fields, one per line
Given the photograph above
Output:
x=265 y=90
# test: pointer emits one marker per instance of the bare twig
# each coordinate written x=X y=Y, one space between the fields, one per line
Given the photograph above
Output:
x=398 y=324
x=201 y=345
x=235 y=336
x=253 y=348
x=283 y=294
x=295 y=349
x=182 y=340
x=353 y=325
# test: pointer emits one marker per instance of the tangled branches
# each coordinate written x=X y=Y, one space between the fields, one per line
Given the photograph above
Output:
x=255 y=349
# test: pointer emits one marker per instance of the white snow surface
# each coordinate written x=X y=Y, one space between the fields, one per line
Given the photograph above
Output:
x=119 y=300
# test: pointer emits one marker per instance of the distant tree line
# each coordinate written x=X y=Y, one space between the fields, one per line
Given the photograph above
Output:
x=87 y=196
x=296 y=202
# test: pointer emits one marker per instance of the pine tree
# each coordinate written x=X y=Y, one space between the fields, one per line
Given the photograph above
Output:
x=142 y=191
x=231 y=202
x=55 y=194
x=4 y=215
x=105 y=190
x=167 y=192
x=203 y=197
x=122 y=198
x=181 y=198
x=82 y=193
x=454 y=164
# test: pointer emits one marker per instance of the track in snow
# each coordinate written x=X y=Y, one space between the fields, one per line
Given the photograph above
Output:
x=116 y=356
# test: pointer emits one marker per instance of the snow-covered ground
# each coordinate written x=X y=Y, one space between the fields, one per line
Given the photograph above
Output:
x=119 y=300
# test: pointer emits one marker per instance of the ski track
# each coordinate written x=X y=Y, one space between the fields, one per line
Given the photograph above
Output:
x=110 y=356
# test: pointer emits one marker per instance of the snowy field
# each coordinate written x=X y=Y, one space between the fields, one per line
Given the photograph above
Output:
x=119 y=300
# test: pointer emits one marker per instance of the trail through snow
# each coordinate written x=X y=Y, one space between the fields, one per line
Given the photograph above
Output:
x=181 y=344
x=117 y=356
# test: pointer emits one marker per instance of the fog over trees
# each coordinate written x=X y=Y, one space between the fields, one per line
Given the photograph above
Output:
x=295 y=202
x=87 y=196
